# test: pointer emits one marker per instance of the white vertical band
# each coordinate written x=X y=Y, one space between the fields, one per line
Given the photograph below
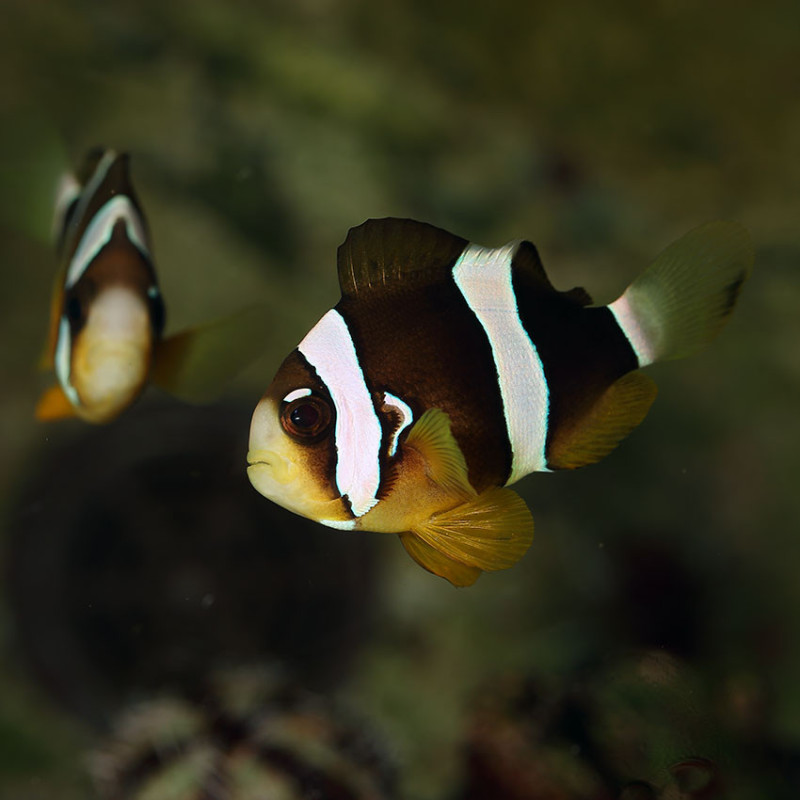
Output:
x=329 y=348
x=99 y=231
x=63 y=361
x=484 y=278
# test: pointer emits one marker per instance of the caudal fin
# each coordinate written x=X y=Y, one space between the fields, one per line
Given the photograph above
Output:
x=684 y=298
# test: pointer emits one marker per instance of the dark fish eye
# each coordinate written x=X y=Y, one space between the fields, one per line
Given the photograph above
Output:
x=306 y=418
x=73 y=309
x=158 y=313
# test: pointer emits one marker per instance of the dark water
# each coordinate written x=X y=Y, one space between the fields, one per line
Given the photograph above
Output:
x=197 y=641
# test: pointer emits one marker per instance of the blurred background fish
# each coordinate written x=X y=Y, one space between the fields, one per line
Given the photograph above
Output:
x=450 y=370
x=107 y=313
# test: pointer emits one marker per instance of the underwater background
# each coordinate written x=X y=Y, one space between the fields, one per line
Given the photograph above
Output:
x=168 y=633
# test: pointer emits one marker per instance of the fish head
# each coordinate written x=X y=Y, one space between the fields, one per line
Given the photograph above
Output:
x=109 y=338
x=292 y=450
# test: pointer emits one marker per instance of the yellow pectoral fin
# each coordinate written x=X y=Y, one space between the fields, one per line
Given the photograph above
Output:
x=432 y=560
x=618 y=411
x=197 y=364
x=432 y=438
x=54 y=404
x=491 y=531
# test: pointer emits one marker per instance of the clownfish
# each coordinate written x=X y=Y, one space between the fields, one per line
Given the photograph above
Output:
x=107 y=313
x=448 y=371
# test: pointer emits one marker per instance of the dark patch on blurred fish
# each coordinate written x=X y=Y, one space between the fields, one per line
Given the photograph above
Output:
x=449 y=371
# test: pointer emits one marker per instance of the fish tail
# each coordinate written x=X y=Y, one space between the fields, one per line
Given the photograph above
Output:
x=684 y=298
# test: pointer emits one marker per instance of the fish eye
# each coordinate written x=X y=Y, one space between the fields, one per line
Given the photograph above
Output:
x=74 y=309
x=306 y=418
x=157 y=310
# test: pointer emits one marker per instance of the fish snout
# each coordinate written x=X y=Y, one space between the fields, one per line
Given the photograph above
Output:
x=268 y=464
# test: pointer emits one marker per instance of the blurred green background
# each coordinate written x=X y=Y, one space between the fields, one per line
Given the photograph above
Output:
x=260 y=132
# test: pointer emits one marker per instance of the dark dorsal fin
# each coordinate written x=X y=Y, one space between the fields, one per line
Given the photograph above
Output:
x=528 y=264
x=105 y=174
x=381 y=254
x=580 y=295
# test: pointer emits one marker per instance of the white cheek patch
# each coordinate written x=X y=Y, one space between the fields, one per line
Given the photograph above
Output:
x=406 y=418
x=63 y=361
x=98 y=233
x=330 y=350
x=296 y=395
x=484 y=278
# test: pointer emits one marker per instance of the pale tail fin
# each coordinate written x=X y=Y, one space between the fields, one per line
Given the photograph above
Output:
x=684 y=298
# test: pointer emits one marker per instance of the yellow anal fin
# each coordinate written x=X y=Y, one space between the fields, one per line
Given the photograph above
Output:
x=618 y=411
x=489 y=532
x=432 y=438
x=54 y=404
x=432 y=560
x=197 y=364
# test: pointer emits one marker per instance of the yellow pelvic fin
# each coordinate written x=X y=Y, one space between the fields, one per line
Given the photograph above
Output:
x=618 y=411
x=432 y=560
x=54 y=404
x=196 y=364
x=432 y=438
x=490 y=531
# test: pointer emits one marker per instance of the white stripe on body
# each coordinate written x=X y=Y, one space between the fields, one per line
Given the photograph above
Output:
x=329 y=348
x=483 y=276
x=628 y=321
x=406 y=418
x=63 y=361
x=98 y=233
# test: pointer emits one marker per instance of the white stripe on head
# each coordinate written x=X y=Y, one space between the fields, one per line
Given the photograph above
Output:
x=634 y=332
x=63 y=361
x=98 y=233
x=329 y=348
x=406 y=418
x=484 y=278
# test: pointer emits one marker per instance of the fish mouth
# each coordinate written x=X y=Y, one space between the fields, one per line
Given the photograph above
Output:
x=278 y=468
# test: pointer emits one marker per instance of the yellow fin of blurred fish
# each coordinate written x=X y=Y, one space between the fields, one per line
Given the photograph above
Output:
x=54 y=404
x=432 y=560
x=432 y=438
x=491 y=531
x=620 y=409
x=196 y=364
x=47 y=358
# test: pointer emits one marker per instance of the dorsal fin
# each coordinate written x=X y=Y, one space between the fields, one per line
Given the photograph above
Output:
x=529 y=266
x=526 y=262
x=381 y=254
x=110 y=178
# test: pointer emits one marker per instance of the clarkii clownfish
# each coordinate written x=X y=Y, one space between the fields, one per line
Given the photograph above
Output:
x=107 y=314
x=448 y=371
